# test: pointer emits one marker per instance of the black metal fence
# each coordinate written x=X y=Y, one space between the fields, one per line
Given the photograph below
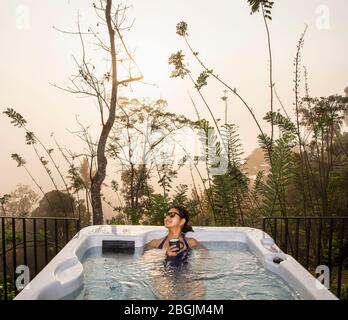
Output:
x=315 y=241
x=33 y=242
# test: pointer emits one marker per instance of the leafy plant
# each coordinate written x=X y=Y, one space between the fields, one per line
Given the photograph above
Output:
x=265 y=5
x=282 y=162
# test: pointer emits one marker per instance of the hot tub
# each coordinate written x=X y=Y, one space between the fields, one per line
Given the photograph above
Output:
x=251 y=267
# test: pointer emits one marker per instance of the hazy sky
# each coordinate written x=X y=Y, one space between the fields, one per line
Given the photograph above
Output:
x=230 y=41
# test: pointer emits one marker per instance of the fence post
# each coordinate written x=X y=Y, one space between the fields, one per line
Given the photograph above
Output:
x=339 y=280
x=4 y=257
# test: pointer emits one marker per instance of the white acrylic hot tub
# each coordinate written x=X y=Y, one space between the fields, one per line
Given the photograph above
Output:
x=64 y=274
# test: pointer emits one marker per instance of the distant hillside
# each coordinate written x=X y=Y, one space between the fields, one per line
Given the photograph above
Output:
x=255 y=163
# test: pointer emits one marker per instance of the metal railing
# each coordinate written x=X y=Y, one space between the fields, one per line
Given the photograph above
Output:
x=314 y=241
x=32 y=242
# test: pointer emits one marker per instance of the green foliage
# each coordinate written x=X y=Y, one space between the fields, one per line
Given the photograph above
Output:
x=232 y=144
x=284 y=124
x=10 y=291
x=113 y=147
x=16 y=118
x=282 y=164
x=210 y=145
x=167 y=174
x=156 y=209
x=265 y=4
x=325 y=153
x=142 y=134
x=177 y=60
x=180 y=196
x=335 y=250
x=181 y=28
x=157 y=205
x=76 y=181
x=202 y=79
x=21 y=201
x=136 y=191
x=322 y=114
x=344 y=292
x=20 y=161
x=4 y=200
x=30 y=138
x=230 y=190
x=253 y=206
x=337 y=190
x=258 y=183
x=55 y=204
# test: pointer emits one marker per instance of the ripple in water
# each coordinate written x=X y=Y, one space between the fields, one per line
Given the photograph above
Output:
x=224 y=270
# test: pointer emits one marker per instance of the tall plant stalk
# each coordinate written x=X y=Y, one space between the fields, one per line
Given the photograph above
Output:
x=298 y=132
x=22 y=163
x=18 y=121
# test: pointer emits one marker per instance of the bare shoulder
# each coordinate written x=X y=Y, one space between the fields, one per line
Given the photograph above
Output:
x=193 y=243
x=153 y=244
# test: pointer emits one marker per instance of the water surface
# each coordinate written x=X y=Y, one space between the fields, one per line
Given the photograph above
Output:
x=226 y=270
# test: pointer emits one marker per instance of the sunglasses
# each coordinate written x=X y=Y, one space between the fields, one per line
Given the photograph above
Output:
x=172 y=214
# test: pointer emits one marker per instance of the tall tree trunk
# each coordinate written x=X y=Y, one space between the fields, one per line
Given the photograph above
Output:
x=100 y=174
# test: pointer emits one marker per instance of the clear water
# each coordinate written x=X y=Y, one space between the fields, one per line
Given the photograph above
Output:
x=227 y=270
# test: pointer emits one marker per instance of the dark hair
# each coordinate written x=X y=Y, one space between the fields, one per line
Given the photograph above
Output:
x=184 y=215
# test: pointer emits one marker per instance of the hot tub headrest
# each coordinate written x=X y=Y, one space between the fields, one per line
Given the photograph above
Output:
x=126 y=246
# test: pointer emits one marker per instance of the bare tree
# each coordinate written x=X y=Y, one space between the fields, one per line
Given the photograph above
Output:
x=142 y=141
x=104 y=88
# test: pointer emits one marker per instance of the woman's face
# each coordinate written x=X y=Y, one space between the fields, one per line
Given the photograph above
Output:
x=173 y=219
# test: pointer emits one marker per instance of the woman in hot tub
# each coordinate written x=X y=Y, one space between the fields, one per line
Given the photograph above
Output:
x=174 y=279
x=176 y=221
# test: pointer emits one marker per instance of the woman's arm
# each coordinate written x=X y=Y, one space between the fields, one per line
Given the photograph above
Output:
x=152 y=244
x=193 y=243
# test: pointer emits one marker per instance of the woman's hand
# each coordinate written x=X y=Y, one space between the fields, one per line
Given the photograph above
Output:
x=172 y=251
